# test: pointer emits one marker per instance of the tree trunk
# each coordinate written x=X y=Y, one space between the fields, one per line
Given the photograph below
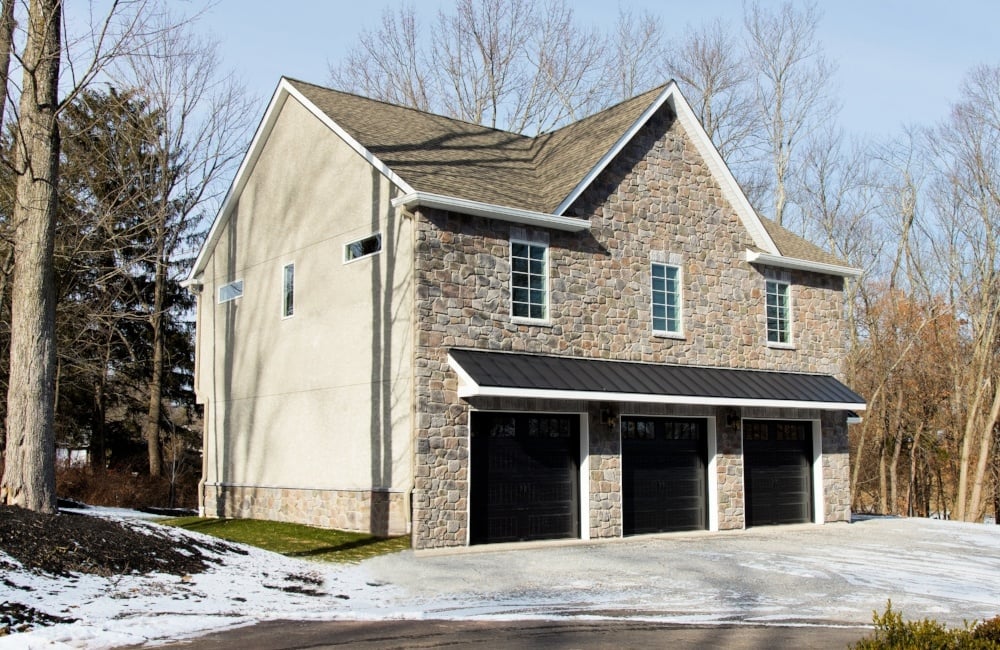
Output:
x=976 y=505
x=965 y=459
x=6 y=45
x=29 y=473
x=152 y=426
x=883 y=491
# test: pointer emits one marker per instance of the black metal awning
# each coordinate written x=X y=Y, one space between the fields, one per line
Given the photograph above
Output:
x=504 y=374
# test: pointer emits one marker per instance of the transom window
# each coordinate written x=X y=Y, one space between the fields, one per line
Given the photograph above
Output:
x=778 y=312
x=529 y=282
x=666 y=299
x=363 y=247
x=230 y=291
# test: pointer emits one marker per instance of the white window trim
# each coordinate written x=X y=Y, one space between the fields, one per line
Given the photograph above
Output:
x=583 y=475
x=222 y=300
x=679 y=334
x=525 y=320
x=284 y=268
x=790 y=344
x=349 y=260
x=816 y=467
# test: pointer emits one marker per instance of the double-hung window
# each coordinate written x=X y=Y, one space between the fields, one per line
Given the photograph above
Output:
x=529 y=280
x=779 y=312
x=666 y=299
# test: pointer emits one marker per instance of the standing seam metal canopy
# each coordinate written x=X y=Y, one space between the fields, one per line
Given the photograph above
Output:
x=494 y=373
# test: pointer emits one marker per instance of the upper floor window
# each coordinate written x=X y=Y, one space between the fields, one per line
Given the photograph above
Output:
x=529 y=280
x=230 y=291
x=288 y=290
x=778 y=312
x=666 y=299
x=363 y=247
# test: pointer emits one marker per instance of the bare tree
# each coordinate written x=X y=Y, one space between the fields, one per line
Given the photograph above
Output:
x=792 y=80
x=714 y=74
x=204 y=123
x=511 y=64
x=636 y=53
x=967 y=149
x=389 y=63
x=29 y=471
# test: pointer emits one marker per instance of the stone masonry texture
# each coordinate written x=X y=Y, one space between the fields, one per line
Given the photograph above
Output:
x=656 y=201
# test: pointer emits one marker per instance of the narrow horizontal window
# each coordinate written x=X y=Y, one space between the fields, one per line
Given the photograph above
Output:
x=666 y=299
x=230 y=291
x=363 y=247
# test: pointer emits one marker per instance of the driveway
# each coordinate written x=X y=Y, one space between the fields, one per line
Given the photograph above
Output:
x=836 y=574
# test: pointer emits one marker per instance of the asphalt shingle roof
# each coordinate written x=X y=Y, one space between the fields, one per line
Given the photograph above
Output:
x=442 y=155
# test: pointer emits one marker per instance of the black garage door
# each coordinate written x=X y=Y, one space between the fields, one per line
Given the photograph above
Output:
x=778 y=457
x=524 y=481
x=663 y=475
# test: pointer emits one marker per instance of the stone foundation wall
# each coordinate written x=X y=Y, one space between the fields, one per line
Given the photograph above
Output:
x=376 y=512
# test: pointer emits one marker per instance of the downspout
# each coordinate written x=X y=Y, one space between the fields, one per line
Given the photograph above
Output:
x=415 y=334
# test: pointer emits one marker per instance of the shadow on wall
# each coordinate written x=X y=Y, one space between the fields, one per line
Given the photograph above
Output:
x=383 y=282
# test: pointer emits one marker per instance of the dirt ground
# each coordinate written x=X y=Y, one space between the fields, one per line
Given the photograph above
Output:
x=67 y=543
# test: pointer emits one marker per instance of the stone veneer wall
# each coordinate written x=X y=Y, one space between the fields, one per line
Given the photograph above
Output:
x=377 y=512
x=657 y=200
x=836 y=467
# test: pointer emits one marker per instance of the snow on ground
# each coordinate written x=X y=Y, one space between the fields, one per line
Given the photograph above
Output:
x=836 y=574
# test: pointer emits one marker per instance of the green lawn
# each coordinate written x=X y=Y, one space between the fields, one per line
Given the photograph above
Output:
x=295 y=540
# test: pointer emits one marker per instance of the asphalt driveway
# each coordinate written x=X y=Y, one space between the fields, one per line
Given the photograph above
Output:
x=836 y=574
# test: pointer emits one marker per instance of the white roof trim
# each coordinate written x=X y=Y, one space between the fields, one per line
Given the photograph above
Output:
x=731 y=189
x=284 y=90
x=783 y=262
x=492 y=211
x=614 y=151
x=466 y=390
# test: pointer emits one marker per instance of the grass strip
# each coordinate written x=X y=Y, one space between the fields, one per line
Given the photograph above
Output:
x=295 y=540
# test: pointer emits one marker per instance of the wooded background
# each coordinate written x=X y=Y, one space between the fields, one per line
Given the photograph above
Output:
x=119 y=140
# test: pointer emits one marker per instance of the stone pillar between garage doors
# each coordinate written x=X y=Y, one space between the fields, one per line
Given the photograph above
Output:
x=605 y=471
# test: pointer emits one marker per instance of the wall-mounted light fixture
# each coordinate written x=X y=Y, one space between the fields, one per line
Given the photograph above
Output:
x=732 y=420
x=609 y=415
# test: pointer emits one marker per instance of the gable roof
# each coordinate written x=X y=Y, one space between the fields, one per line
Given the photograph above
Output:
x=446 y=163
x=449 y=157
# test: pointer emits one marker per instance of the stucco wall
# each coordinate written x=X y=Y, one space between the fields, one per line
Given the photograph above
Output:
x=320 y=400
x=658 y=202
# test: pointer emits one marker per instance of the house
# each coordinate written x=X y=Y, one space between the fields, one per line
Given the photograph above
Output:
x=412 y=324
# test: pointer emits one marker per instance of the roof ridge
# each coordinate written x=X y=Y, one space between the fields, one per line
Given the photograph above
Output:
x=408 y=108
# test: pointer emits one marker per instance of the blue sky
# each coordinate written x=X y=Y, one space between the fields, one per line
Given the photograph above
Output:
x=899 y=62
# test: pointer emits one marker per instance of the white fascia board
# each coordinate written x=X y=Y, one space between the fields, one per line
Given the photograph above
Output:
x=372 y=159
x=239 y=181
x=474 y=390
x=491 y=211
x=615 y=150
x=783 y=262
x=731 y=189
x=281 y=94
